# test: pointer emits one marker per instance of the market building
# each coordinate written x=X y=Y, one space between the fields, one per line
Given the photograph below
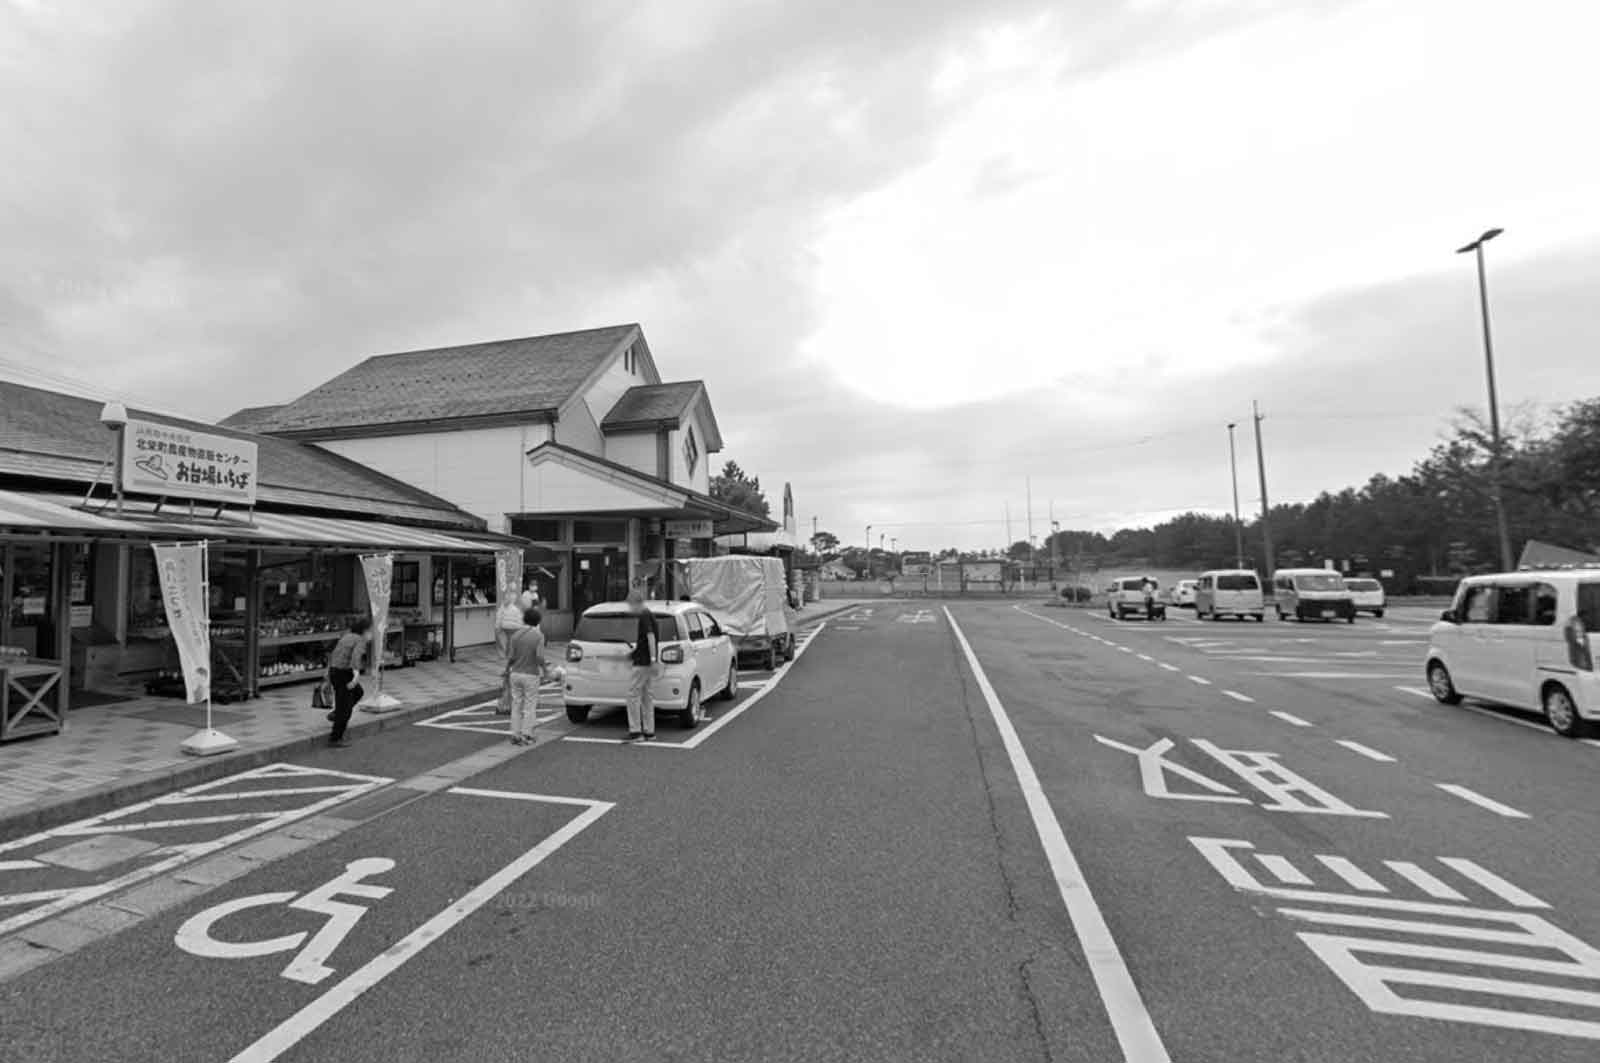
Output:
x=86 y=488
x=572 y=441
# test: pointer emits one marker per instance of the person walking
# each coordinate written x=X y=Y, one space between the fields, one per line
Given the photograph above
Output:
x=508 y=621
x=526 y=669
x=643 y=652
x=349 y=656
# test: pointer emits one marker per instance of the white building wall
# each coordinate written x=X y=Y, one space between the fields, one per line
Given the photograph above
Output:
x=479 y=469
x=578 y=429
x=699 y=479
x=609 y=386
x=636 y=450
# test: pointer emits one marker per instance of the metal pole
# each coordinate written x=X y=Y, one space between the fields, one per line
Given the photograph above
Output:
x=1495 y=470
x=1261 y=467
x=1238 y=525
x=1033 y=556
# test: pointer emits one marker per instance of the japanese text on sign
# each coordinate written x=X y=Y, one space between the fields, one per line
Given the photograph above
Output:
x=174 y=462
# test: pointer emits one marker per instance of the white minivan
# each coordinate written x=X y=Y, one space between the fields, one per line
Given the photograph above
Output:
x=1524 y=639
x=1312 y=594
x=1229 y=592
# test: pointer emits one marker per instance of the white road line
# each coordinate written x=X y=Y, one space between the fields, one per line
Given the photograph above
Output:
x=1288 y=717
x=1124 y=649
x=295 y=1029
x=1146 y=657
x=1136 y=1031
x=1169 y=667
x=1493 y=883
x=1365 y=751
x=1503 y=718
x=1236 y=696
x=1424 y=881
x=1282 y=870
x=20 y=865
x=1200 y=679
x=1481 y=801
x=1334 y=675
x=1357 y=878
x=1418 y=691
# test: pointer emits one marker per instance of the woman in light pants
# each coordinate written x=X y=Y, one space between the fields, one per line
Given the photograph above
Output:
x=643 y=653
x=525 y=669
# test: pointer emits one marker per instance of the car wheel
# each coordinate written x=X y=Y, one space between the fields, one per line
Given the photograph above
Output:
x=1562 y=713
x=731 y=690
x=1350 y=619
x=789 y=652
x=1377 y=614
x=771 y=661
x=1441 y=685
x=1260 y=618
x=691 y=716
x=578 y=713
x=1280 y=611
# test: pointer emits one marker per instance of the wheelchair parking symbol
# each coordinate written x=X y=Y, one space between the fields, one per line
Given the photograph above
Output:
x=309 y=964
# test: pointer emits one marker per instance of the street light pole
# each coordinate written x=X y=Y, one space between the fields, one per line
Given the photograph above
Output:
x=1266 y=513
x=1238 y=525
x=1495 y=462
x=868 y=558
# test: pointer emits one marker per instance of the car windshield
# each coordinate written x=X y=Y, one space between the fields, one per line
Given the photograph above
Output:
x=1319 y=581
x=621 y=627
x=1236 y=583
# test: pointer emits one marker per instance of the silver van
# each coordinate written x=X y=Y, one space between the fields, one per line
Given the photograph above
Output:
x=1229 y=592
x=1312 y=594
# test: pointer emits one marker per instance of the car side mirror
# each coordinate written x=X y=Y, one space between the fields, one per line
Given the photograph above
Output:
x=1448 y=616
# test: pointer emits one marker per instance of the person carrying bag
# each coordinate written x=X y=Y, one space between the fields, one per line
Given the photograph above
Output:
x=344 y=668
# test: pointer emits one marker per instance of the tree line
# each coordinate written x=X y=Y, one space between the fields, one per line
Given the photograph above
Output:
x=1435 y=523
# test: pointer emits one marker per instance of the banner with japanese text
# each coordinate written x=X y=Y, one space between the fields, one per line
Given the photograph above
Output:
x=508 y=575
x=181 y=568
x=379 y=571
x=175 y=462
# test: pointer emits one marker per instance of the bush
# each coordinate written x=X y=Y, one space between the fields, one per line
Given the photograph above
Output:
x=1077 y=594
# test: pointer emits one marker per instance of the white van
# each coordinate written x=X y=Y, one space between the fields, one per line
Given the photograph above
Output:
x=1229 y=592
x=1312 y=594
x=1525 y=639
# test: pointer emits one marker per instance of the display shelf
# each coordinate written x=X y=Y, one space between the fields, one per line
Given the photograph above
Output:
x=291 y=677
x=287 y=640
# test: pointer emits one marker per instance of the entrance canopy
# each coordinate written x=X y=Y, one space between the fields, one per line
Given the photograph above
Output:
x=563 y=481
x=29 y=515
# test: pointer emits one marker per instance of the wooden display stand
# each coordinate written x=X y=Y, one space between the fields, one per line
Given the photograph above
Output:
x=33 y=698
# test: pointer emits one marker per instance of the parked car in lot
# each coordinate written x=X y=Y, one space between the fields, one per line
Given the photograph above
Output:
x=1366 y=595
x=1126 y=597
x=1312 y=594
x=1229 y=592
x=1183 y=593
x=1524 y=639
x=697 y=660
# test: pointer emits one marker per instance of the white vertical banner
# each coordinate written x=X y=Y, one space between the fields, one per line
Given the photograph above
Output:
x=181 y=568
x=379 y=572
x=184 y=572
x=507 y=575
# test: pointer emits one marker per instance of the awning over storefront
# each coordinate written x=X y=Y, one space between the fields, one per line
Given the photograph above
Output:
x=59 y=516
x=566 y=482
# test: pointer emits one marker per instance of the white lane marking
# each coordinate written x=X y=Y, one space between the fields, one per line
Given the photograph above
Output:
x=1124 y=649
x=1236 y=696
x=1424 y=881
x=1282 y=870
x=1357 y=878
x=245 y=795
x=1289 y=717
x=1481 y=801
x=1136 y=1031
x=1335 y=675
x=298 y=1026
x=1492 y=882
x=1146 y=657
x=1418 y=691
x=1201 y=680
x=1169 y=667
x=1365 y=751
x=37 y=897
x=20 y=865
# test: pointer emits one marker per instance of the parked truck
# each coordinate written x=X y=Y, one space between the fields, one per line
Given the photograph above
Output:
x=749 y=597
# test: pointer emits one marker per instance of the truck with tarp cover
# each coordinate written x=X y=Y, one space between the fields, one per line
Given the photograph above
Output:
x=749 y=596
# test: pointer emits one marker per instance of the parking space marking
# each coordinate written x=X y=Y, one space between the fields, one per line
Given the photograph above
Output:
x=1236 y=696
x=1424 y=880
x=1168 y=667
x=293 y=1030
x=1200 y=679
x=1289 y=717
x=1481 y=801
x=1365 y=751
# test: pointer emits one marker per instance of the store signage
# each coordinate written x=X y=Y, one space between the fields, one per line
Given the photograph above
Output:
x=82 y=616
x=182 y=571
x=379 y=571
x=164 y=460
x=689 y=529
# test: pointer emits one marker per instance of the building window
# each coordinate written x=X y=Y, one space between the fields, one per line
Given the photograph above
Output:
x=599 y=531
x=691 y=451
x=405 y=592
x=540 y=531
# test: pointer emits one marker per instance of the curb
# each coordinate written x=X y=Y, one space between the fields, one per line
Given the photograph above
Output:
x=42 y=815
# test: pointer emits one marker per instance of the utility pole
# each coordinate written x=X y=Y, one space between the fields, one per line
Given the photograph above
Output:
x=1238 y=525
x=1033 y=557
x=817 y=549
x=867 y=559
x=1008 y=528
x=1496 y=472
x=1261 y=467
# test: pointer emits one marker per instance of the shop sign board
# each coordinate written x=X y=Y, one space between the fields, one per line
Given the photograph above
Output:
x=689 y=529
x=165 y=460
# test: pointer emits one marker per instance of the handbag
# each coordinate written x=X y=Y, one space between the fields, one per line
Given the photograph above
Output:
x=322 y=696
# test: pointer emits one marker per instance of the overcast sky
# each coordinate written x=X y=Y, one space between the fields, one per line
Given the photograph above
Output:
x=920 y=251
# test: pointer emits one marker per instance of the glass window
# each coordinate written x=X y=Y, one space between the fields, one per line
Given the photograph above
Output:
x=1477 y=604
x=1514 y=604
x=1320 y=581
x=1589 y=605
x=1236 y=583
x=405 y=592
x=1545 y=605
x=691 y=450
x=599 y=531
x=713 y=629
x=692 y=622
x=540 y=531
x=621 y=627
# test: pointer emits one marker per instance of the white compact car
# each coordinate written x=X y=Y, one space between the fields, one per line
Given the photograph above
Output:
x=1183 y=593
x=1229 y=592
x=1126 y=598
x=1366 y=595
x=1524 y=639
x=697 y=660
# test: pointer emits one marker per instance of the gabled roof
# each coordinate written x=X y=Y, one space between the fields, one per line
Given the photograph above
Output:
x=46 y=435
x=729 y=519
x=251 y=418
x=442 y=388
x=649 y=406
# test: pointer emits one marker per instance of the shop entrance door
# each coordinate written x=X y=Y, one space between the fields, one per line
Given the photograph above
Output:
x=33 y=692
x=30 y=616
x=598 y=576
